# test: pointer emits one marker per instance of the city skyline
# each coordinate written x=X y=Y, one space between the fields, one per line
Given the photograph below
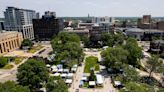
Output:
x=74 y=8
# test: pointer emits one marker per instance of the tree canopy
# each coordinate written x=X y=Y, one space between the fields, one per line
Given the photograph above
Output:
x=109 y=39
x=135 y=52
x=67 y=47
x=26 y=42
x=3 y=61
x=153 y=64
x=10 y=86
x=32 y=73
x=114 y=57
x=133 y=87
x=56 y=85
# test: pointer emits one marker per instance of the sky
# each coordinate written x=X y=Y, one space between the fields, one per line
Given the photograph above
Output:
x=98 y=8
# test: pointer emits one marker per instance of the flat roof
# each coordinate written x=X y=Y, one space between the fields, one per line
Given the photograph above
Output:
x=144 y=30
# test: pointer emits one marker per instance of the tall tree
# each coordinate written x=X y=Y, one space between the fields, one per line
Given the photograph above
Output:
x=56 y=85
x=153 y=64
x=10 y=86
x=133 y=87
x=130 y=74
x=32 y=73
x=26 y=43
x=114 y=57
x=135 y=52
x=67 y=47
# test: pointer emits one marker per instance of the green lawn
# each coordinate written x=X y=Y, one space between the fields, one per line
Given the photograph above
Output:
x=8 y=66
x=35 y=48
x=17 y=60
x=91 y=62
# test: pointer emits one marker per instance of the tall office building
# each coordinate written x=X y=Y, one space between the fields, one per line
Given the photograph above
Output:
x=48 y=26
x=20 y=20
x=146 y=19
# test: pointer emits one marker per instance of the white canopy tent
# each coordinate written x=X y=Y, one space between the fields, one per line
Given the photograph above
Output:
x=48 y=65
x=73 y=69
x=117 y=83
x=99 y=79
x=70 y=75
x=60 y=70
x=75 y=66
x=84 y=78
x=55 y=70
x=92 y=83
x=53 y=67
x=65 y=70
x=63 y=75
x=68 y=81
x=57 y=74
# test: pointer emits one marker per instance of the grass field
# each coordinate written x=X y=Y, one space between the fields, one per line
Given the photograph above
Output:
x=17 y=60
x=8 y=66
x=35 y=48
x=91 y=62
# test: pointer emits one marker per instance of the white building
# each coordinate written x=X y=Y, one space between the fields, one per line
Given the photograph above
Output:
x=20 y=20
x=105 y=20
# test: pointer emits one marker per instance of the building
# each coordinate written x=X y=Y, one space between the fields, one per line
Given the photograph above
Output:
x=144 y=34
x=9 y=41
x=157 y=46
x=49 y=14
x=20 y=20
x=105 y=19
x=79 y=31
x=48 y=26
x=37 y=15
x=146 y=19
x=146 y=22
x=2 y=27
x=86 y=25
x=160 y=25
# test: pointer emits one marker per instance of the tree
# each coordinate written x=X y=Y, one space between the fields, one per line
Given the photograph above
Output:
x=67 y=47
x=3 y=61
x=130 y=74
x=92 y=76
x=56 y=85
x=10 y=86
x=32 y=73
x=133 y=87
x=107 y=39
x=153 y=64
x=114 y=57
x=26 y=43
x=135 y=52
x=85 y=40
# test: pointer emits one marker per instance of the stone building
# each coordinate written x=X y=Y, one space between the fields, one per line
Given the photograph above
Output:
x=9 y=41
